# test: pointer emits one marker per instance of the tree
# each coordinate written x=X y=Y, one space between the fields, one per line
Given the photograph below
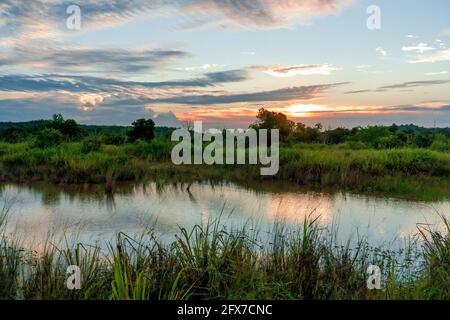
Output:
x=374 y=136
x=305 y=134
x=274 y=120
x=441 y=143
x=142 y=129
x=68 y=128
x=14 y=134
x=58 y=119
x=337 y=135
x=48 y=137
x=424 y=139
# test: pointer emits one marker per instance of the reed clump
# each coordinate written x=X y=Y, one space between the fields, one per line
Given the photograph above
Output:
x=211 y=261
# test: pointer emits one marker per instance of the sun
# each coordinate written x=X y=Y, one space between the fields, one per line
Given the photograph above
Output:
x=303 y=110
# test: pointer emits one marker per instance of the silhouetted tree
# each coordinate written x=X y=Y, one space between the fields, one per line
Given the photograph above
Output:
x=274 y=120
x=142 y=129
x=68 y=128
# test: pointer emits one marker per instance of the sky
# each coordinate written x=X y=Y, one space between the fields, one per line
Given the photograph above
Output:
x=342 y=63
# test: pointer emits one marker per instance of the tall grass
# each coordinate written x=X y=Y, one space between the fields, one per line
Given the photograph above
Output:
x=213 y=262
x=436 y=250
x=420 y=173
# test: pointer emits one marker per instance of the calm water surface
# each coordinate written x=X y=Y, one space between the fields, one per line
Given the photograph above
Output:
x=87 y=214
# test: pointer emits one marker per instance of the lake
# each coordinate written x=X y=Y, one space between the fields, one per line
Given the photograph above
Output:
x=88 y=214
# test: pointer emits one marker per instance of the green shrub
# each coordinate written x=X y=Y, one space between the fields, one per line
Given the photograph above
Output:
x=441 y=143
x=14 y=135
x=47 y=138
x=142 y=130
x=353 y=145
x=91 y=144
x=114 y=139
x=156 y=150
x=68 y=128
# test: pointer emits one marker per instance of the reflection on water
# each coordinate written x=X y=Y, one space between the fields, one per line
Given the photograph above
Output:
x=90 y=215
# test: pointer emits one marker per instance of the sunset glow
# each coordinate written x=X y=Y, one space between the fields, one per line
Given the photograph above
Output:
x=296 y=57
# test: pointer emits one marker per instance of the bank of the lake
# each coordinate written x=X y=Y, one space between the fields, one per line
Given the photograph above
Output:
x=218 y=241
x=406 y=173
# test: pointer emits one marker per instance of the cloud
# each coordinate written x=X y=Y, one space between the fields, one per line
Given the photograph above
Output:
x=284 y=94
x=418 y=108
x=23 y=83
x=89 y=84
x=164 y=119
x=89 y=101
x=124 y=108
x=265 y=13
x=420 y=48
x=445 y=32
x=404 y=85
x=44 y=107
x=438 y=56
x=413 y=84
x=381 y=51
x=381 y=109
x=47 y=18
x=124 y=114
x=205 y=66
x=357 y=91
x=57 y=57
x=436 y=73
x=302 y=69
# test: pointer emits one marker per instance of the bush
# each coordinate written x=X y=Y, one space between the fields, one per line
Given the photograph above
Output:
x=423 y=140
x=91 y=144
x=142 y=130
x=441 y=143
x=47 y=138
x=389 y=142
x=68 y=128
x=114 y=139
x=13 y=135
x=156 y=150
x=356 y=145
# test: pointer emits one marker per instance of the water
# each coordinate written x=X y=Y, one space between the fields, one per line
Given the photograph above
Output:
x=86 y=214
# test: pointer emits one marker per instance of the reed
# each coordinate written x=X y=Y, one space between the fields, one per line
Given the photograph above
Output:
x=210 y=261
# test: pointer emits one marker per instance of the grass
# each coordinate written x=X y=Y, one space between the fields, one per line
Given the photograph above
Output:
x=418 y=173
x=212 y=262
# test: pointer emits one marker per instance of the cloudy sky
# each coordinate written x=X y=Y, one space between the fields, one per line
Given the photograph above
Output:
x=220 y=60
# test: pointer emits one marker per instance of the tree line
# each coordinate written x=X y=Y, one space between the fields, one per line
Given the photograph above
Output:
x=378 y=137
x=46 y=133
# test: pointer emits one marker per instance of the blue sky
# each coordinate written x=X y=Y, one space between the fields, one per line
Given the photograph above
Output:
x=220 y=60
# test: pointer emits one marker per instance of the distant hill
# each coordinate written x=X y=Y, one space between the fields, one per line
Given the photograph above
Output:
x=118 y=129
x=35 y=124
x=412 y=128
x=26 y=125
x=91 y=128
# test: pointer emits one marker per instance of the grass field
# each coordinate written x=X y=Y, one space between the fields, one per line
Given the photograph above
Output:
x=414 y=172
